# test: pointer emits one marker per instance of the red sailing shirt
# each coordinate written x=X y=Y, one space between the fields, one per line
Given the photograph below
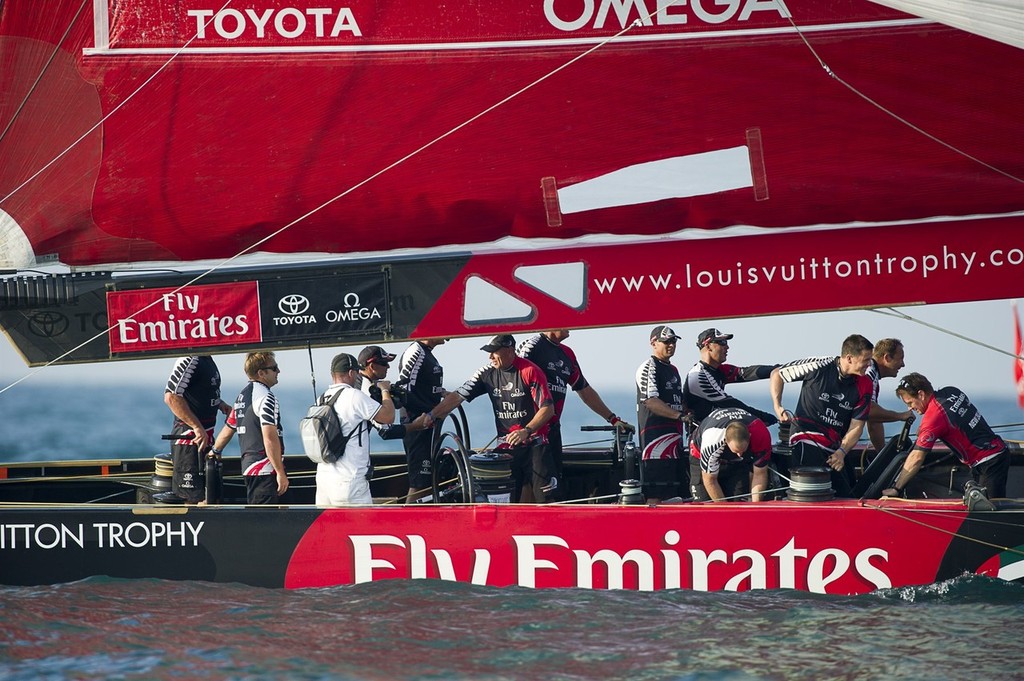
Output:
x=952 y=418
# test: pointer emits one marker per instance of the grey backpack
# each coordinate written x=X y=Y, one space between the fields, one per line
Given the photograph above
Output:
x=320 y=429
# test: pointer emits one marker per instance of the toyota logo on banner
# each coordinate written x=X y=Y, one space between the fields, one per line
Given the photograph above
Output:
x=293 y=304
x=48 y=323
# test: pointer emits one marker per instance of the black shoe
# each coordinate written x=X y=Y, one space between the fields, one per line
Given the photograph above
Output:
x=167 y=498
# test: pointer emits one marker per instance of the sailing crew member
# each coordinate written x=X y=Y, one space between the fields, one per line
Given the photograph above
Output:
x=704 y=389
x=374 y=362
x=522 y=408
x=562 y=370
x=835 y=399
x=948 y=415
x=659 y=413
x=256 y=417
x=193 y=396
x=886 y=362
x=729 y=455
x=423 y=378
x=346 y=480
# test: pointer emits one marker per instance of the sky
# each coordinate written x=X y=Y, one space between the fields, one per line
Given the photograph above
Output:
x=610 y=357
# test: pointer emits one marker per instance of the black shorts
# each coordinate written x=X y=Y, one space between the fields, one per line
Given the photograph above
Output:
x=555 y=445
x=189 y=478
x=417 y=456
x=733 y=478
x=532 y=464
x=666 y=467
x=992 y=475
x=261 y=490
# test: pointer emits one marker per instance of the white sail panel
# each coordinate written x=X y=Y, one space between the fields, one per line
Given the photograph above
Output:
x=1001 y=20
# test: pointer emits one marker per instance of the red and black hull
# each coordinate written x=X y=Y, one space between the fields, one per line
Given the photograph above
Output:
x=842 y=547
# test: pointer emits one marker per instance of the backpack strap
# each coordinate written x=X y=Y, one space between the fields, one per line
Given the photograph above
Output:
x=359 y=427
x=333 y=399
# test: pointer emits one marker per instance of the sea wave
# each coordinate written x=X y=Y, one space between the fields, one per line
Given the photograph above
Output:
x=429 y=629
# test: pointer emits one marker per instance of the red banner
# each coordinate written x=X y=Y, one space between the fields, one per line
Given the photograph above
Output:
x=761 y=274
x=192 y=317
x=294 y=24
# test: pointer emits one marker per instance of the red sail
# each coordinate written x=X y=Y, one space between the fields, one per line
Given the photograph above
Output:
x=144 y=130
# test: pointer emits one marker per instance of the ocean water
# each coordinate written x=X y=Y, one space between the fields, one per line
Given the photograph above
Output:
x=50 y=422
x=966 y=628
x=44 y=423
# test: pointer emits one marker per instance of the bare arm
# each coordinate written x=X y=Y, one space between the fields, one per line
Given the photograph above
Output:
x=658 y=407
x=543 y=415
x=597 y=405
x=714 y=490
x=775 y=388
x=876 y=433
x=758 y=482
x=850 y=440
x=446 y=406
x=386 y=413
x=223 y=438
x=910 y=468
x=179 y=407
x=880 y=414
x=275 y=452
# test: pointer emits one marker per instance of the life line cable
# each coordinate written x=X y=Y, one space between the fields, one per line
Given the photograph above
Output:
x=900 y=513
x=890 y=312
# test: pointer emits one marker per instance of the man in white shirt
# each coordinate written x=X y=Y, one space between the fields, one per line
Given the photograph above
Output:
x=345 y=481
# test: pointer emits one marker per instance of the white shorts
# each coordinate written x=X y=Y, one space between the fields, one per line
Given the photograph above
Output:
x=336 y=489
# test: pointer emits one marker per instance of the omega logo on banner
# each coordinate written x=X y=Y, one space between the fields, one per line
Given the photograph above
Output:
x=339 y=305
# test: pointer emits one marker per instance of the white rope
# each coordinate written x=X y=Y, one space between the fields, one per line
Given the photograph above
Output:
x=890 y=312
x=832 y=74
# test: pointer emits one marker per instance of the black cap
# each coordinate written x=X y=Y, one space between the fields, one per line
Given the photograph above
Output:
x=708 y=335
x=663 y=333
x=503 y=340
x=343 y=363
x=375 y=354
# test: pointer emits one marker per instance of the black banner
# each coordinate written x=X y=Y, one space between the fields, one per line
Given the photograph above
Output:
x=323 y=303
x=327 y=307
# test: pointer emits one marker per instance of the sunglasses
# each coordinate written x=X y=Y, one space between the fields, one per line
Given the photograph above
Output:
x=724 y=344
x=276 y=369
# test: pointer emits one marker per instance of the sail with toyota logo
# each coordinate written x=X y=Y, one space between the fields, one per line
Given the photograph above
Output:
x=584 y=153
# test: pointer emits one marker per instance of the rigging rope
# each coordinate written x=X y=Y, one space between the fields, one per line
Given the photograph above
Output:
x=832 y=74
x=113 y=111
x=39 y=78
x=890 y=312
x=952 y=533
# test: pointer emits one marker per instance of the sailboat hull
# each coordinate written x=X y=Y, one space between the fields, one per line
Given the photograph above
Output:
x=841 y=547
